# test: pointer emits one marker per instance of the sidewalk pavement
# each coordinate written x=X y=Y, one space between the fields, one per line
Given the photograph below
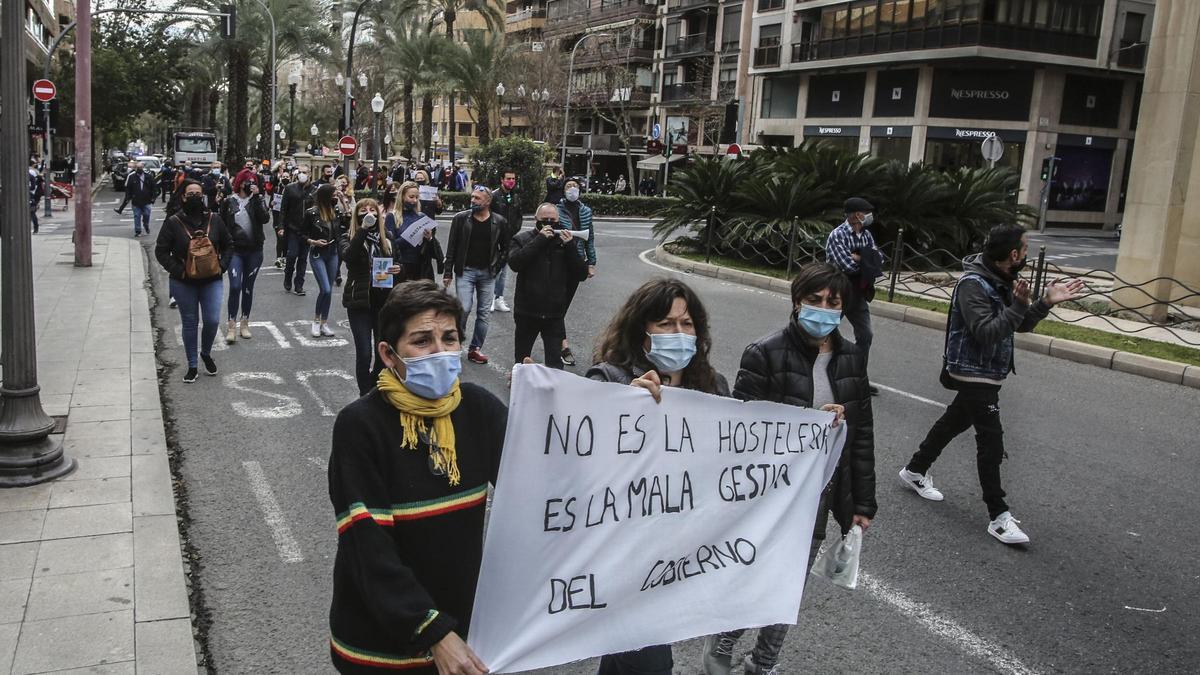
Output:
x=91 y=570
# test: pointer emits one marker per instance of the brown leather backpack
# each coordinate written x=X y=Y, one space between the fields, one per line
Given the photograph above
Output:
x=202 y=259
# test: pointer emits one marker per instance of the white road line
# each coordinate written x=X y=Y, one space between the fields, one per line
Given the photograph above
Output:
x=289 y=548
x=993 y=654
x=914 y=397
x=319 y=462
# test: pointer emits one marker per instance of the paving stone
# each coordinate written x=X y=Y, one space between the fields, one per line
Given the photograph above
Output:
x=8 y=645
x=13 y=596
x=158 y=570
x=88 y=468
x=166 y=647
x=92 y=592
x=26 y=498
x=148 y=434
x=90 y=492
x=152 y=491
x=98 y=413
x=19 y=526
x=84 y=521
x=83 y=554
x=74 y=642
x=82 y=446
x=16 y=561
x=123 y=668
x=121 y=398
x=145 y=395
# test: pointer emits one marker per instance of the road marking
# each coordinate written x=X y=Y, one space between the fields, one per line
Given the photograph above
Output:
x=305 y=375
x=298 y=329
x=271 y=328
x=319 y=462
x=947 y=628
x=288 y=406
x=1152 y=611
x=289 y=548
x=906 y=394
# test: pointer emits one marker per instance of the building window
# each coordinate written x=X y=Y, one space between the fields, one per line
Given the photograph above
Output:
x=779 y=96
x=891 y=149
x=778 y=140
x=768 y=5
x=1081 y=180
x=1131 y=51
x=464 y=129
x=731 y=30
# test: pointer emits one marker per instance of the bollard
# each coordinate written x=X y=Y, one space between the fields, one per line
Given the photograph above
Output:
x=897 y=255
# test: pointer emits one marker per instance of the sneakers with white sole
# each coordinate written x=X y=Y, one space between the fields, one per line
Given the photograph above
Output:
x=316 y=329
x=326 y=331
x=717 y=658
x=749 y=667
x=1007 y=529
x=921 y=484
x=499 y=305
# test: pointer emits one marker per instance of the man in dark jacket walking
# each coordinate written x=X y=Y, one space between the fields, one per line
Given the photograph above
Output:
x=140 y=189
x=37 y=190
x=507 y=203
x=808 y=364
x=291 y=210
x=990 y=303
x=476 y=251
x=851 y=248
x=547 y=265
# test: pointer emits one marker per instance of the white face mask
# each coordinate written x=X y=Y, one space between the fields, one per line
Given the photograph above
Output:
x=572 y=194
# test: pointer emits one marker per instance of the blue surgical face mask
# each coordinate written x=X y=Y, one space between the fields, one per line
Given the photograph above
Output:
x=817 y=321
x=430 y=376
x=671 y=352
x=572 y=194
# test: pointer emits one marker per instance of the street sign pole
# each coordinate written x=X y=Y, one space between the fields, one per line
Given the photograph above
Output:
x=83 y=133
x=48 y=155
x=28 y=453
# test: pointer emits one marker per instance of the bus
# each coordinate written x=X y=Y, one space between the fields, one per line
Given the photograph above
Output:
x=197 y=147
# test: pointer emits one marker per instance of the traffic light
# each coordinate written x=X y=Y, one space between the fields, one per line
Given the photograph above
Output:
x=1049 y=168
x=229 y=21
x=353 y=107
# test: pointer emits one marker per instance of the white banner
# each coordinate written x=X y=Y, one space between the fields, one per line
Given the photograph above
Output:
x=619 y=523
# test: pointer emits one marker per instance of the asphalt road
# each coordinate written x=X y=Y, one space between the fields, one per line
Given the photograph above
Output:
x=1101 y=471
x=1088 y=253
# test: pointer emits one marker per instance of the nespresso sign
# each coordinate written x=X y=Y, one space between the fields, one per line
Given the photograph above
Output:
x=1006 y=94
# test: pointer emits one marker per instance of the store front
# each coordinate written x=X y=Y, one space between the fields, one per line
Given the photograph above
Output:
x=841 y=137
x=1083 y=174
x=951 y=148
x=892 y=143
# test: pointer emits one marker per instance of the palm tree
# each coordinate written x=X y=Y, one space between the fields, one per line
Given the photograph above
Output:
x=474 y=67
x=708 y=184
x=300 y=33
x=405 y=47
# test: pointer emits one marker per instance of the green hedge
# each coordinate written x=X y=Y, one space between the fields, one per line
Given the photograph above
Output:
x=602 y=205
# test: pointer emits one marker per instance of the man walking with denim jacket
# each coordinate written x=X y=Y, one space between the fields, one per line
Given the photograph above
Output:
x=990 y=303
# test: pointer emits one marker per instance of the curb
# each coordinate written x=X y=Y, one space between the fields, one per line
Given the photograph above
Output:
x=1070 y=350
x=162 y=611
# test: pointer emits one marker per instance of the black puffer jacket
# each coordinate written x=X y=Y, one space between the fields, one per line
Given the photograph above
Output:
x=546 y=269
x=779 y=367
x=358 y=254
x=243 y=241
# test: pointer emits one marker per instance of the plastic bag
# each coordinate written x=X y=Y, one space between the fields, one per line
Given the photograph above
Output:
x=839 y=562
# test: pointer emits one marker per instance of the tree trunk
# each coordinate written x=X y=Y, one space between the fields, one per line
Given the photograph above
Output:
x=264 y=125
x=231 y=113
x=453 y=130
x=241 y=97
x=408 y=120
x=483 y=125
x=214 y=102
x=195 y=111
x=427 y=125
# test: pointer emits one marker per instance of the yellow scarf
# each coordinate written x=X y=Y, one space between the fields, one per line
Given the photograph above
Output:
x=415 y=414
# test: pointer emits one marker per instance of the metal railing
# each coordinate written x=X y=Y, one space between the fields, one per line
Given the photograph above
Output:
x=688 y=44
x=766 y=57
x=1110 y=303
x=525 y=15
x=684 y=4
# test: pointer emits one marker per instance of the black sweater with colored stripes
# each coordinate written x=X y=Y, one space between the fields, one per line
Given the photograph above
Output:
x=409 y=544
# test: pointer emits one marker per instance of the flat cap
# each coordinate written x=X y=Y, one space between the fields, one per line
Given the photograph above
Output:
x=856 y=204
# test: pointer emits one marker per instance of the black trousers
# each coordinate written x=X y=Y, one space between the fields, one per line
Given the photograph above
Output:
x=654 y=660
x=975 y=405
x=528 y=328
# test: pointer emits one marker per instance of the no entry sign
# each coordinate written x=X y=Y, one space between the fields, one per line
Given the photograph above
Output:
x=44 y=90
x=348 y=145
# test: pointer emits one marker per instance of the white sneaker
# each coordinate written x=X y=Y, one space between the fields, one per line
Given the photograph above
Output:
x=499 y=305
x=325 y=331
x=922 y=485
x=1007 y=529
x=316 y=329
x=749 y=667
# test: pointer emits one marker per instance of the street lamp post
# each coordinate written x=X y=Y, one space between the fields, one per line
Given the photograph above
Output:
x=567 y=104
x=376 y=107
x=282 y=139
x=313 y=132
x=346 y=79
x=521 y=97
x=27 y=453
x=500 y=108
x=293 y=82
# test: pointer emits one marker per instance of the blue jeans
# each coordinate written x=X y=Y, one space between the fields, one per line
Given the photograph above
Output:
x=243 y=270
x=196 y=301
x=500 y=281
x=325 y=267
x=296 y=261
x=141 y=219
x=364 y=327
x=476 y=288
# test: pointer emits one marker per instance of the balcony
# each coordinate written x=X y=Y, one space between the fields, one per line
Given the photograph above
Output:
x=690 y=44
x=604 y=97
x=804 y=51
x=731 y=46
x=565 y=17
x=590 y=56
x=766 y=57
x=525 y=19
x=686 y=91
x=682 y=5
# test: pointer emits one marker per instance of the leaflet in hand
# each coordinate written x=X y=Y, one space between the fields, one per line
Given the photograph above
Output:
x=379 y=273
x=416 y=232
x=277 y=202
x=427 y=193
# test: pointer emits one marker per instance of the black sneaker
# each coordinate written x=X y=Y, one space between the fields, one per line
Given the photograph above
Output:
x=568 y=358
x=287 y=289
x=338 y=280
x=173 y=304
x=210 y=366
x=190 y=376
x=300 y=291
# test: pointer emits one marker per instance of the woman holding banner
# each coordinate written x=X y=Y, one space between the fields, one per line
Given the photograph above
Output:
x=808 y=364
x=660 y=337
x=408 y=479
